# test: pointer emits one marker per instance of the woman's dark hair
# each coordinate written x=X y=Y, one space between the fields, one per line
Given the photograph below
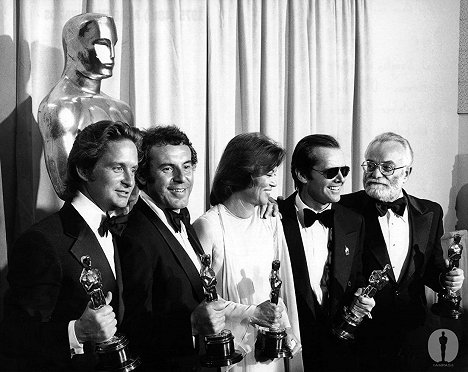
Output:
x=160 y=136
x=89 y=146
x=304 y=157
x=246 y=156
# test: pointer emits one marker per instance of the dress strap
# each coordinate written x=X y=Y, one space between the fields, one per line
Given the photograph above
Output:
x=223 y=235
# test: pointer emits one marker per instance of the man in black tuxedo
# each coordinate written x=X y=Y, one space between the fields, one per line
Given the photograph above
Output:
x=325 y=243
x=49 y=324
x=159 y=252
x=165 y=311
x=405 y=232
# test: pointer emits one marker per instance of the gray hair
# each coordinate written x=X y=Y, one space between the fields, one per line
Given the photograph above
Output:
x=392 y=137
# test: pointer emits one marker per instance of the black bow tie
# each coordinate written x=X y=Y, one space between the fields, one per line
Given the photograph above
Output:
x=175 y=218
x=325 y=218
x=398 y=206
x=115 y=225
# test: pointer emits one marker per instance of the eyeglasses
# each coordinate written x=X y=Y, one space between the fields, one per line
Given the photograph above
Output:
x=385 y=168
x=333 y=172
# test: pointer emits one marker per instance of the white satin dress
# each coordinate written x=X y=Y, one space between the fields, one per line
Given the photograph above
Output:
x=242 y=253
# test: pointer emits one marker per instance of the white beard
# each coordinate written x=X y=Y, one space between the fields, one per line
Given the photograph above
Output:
x=386 y=193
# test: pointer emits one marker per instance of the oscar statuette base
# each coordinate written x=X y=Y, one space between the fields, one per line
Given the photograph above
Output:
x=114 y=355
x=448 y=301
x=448 y=306
x=220 y=351
x=272 y=343
x=348 y=325
x=353 y=315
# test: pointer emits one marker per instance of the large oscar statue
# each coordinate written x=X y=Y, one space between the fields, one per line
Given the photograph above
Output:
x=76 y=101
x=448 y=304
x=219 y=347
x=114 y=353
x=272 y=342
x=353 y=315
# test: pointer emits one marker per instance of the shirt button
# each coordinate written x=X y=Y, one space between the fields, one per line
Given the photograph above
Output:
x=397 y=293
x=349 y=284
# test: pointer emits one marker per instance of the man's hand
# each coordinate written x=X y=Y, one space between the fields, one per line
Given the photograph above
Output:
x=453 y=280
x=270 y=209
x=208 y=317
x=267 y=315
x=363 y=304
x=96 y=325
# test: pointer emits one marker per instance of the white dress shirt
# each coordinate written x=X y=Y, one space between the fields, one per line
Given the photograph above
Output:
x=395 y=230
x=234 y=312
x=315 y=240
x=181 y=236
x=93 y=215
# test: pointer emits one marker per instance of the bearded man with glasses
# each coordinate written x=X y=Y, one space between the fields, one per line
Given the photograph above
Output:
x=325 y=242
x=404 y=231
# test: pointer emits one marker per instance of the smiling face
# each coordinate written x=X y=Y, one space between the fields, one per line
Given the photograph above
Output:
x=112 y=179
x=259 y=192
x=170 y=178
x=387 y=188
x=318 y=191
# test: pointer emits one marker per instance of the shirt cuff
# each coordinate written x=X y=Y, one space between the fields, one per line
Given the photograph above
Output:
x=75 y=346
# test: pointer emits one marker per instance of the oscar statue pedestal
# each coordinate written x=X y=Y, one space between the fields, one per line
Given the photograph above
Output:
x=272 y=343
x=113 y=354
x=352 y=317
x=448 y=304
x=220 y=351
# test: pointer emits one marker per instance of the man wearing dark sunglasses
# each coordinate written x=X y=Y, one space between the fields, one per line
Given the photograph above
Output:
x=404 y=231
x=325 y=242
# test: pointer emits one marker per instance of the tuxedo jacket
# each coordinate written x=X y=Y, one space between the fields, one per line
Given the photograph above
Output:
x=401 y=304
x=344 y=278
x=45 y=292
x=162 y=288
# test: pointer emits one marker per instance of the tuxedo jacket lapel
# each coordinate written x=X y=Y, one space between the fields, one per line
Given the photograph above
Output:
x=193 y=238
x=344 y=248
x=183 y=258
x=86 y=244
x=420 y=221
x=297 y=253
x=118 y=274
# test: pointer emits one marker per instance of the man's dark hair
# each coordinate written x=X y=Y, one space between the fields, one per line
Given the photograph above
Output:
x=304 y=157
x=89 y=146
x=246 y=156
x=160 y=136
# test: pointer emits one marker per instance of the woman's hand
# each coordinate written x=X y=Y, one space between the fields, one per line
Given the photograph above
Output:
x=267 y=315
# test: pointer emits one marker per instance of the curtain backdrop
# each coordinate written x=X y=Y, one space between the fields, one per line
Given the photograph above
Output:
x=216 y=68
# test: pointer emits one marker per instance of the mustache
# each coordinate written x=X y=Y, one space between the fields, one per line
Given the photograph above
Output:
x=377 y=180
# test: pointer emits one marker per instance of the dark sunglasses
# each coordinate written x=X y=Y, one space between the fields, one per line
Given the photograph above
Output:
x=333 y=172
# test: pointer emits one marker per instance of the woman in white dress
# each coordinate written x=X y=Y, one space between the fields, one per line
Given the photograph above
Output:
x=243 y=245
